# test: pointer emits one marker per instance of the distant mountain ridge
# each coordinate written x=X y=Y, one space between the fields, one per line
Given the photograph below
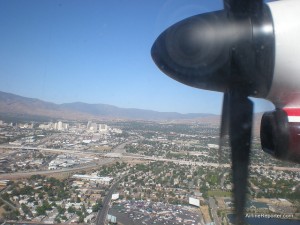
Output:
x=23 y=107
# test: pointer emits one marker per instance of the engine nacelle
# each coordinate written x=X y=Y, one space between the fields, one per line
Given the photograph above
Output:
x=284 y=91
x=280 y=134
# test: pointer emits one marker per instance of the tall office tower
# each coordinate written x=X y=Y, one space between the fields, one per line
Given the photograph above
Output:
x=93 y=127
x=59 y=125
x=88 y=125
x=103 y=128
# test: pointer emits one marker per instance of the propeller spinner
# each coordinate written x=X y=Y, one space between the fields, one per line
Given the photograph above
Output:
x=230 y=51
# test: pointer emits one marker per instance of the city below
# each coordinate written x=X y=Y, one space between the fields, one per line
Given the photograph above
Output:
x=134 y=172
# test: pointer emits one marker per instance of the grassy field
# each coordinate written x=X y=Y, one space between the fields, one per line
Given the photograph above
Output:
x=102 y=148
x=219 y=193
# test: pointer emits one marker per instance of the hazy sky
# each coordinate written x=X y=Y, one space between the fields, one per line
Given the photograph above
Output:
x=97 y=51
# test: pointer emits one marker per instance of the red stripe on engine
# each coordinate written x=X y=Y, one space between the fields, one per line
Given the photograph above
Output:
x=292 y=111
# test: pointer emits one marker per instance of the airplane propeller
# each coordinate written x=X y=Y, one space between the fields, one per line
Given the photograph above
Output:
x=228 y=51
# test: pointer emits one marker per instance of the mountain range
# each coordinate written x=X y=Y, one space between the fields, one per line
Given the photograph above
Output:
x=15 y=106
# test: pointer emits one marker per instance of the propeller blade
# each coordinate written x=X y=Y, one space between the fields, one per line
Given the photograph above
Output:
x=224 y=130
x=241 y=115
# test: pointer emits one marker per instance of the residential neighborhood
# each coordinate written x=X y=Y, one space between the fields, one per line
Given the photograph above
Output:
x=165 y=173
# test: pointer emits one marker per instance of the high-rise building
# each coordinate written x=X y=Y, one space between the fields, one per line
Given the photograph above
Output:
x=94 y=127
x=65 y=126
x=59 y=125
x=88 y=125
x=103 y=128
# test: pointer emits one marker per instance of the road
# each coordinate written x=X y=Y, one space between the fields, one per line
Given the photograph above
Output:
x=102 y=214
x=6 y=202
x=214 y=209
x=121 y=148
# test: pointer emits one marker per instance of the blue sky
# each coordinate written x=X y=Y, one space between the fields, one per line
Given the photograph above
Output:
x=97 y=52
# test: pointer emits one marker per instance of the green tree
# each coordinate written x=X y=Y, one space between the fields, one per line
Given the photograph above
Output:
x=12 y=215
x=71 y=209
x=40 y=210
x=64 y=217
x=7 y=208
x=60 y=209
x=26 y=209
x=81 y=219
x=78 y=213
x=41 y=196
x=27 y=190
x=57 y=220
x=83 y=209
x=97 y=207
x=5 y=196
x=31 y=199
x=46 y=205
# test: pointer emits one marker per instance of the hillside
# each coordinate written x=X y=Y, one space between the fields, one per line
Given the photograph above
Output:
x=22 y=107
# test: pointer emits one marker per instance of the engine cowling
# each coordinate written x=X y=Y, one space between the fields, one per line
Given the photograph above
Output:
x=280 y=134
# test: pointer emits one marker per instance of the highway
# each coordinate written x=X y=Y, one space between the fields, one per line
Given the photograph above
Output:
x=68 y=151
x=111 y=157
x=121 y=148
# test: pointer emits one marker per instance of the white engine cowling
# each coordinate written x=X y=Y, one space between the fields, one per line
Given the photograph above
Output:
x=285 y=86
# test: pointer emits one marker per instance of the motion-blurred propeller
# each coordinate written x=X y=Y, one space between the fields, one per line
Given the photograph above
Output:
x=227 y=51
